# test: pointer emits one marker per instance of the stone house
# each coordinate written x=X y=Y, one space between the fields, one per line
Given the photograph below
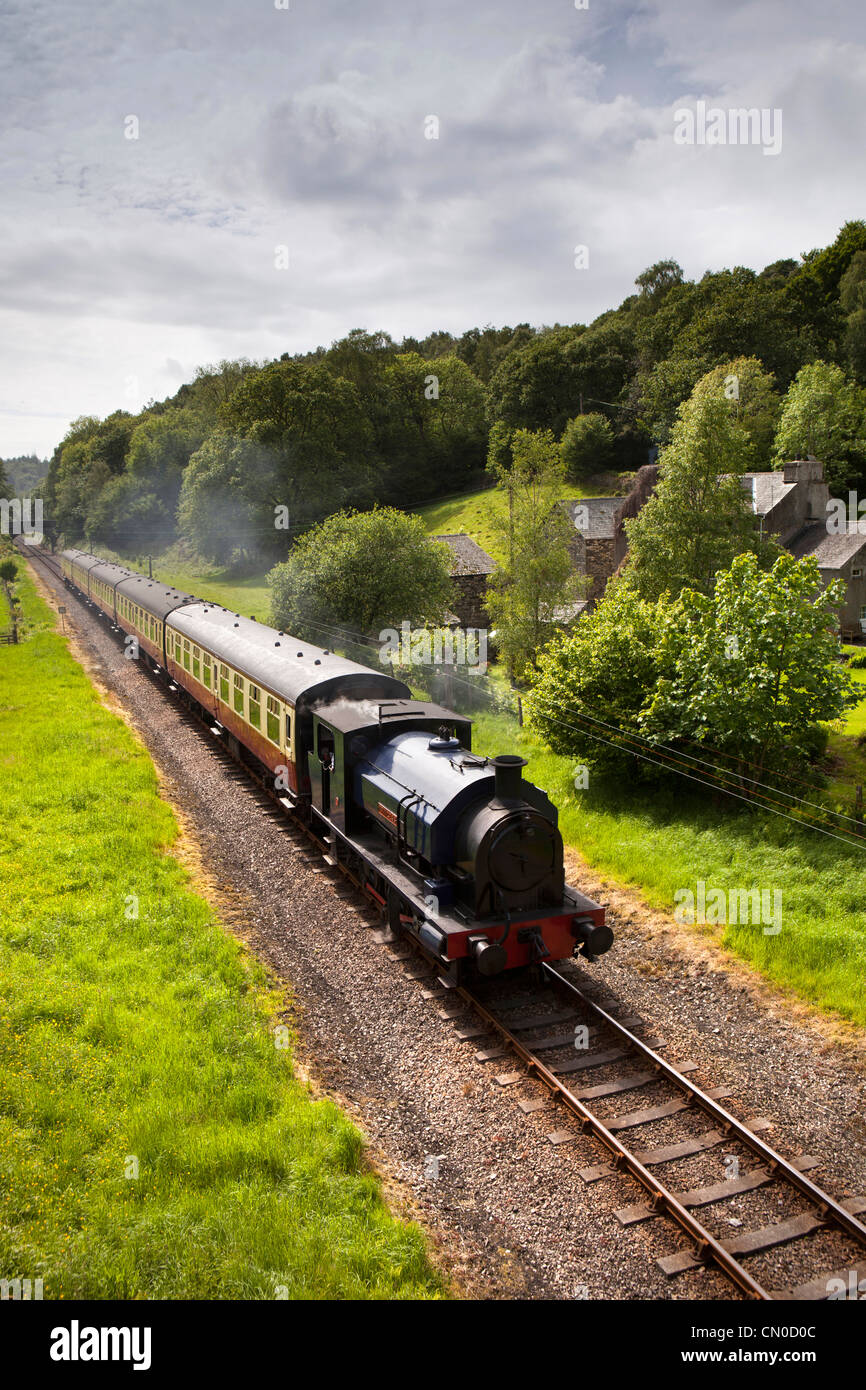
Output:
x=788 y=500
x=839 y=556
x=600 y=544
x=792 y=505
x=471 y=568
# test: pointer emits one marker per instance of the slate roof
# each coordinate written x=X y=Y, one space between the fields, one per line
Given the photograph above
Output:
x=467 y=557
x=831 y=551
x=767 y=490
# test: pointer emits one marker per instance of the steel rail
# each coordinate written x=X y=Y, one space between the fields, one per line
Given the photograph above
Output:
x=775 y=1162
x=663 y=1200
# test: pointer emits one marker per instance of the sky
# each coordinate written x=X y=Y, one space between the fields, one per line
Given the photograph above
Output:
x=188 y=180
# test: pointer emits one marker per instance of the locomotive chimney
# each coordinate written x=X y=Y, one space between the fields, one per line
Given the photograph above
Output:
x=507 y=770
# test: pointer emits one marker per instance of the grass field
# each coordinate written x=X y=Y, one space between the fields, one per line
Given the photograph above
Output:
x=665 y=840
x=154 y=1142
x=855 y=723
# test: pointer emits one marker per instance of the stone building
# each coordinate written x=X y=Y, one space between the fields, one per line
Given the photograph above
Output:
x=839 y=556
x=471 y=568
x=600 y=542
x=788 y=500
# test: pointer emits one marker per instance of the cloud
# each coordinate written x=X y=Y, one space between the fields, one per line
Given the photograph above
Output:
x=305 y=128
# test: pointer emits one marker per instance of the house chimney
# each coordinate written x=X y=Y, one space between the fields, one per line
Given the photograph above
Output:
x=807 y=470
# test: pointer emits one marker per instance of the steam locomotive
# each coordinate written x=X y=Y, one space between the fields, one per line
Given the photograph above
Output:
x=457 y=849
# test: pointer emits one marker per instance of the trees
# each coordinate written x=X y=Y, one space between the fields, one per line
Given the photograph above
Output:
x=596 y=680
x=313 y=426
x=852 y=297
x=228 y=497
x=538 y=577
x=537 y=386
x=752 y=670
x=364 y=571
x=700 y=516
x=824 y=414
x=587 y=446
x=432 y=435
x=744 y=677
x=753 y=402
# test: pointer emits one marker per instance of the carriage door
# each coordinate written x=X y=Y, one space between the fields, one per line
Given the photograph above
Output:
x=325 y=754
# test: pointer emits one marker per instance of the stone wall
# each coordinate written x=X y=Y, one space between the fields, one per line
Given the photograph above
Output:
x=467 y=601
x=599 y=563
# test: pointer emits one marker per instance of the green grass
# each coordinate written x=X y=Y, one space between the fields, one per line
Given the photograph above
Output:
x=248 y=595
x=149 y=1039
x=664 y=840
x=855 y=721
x=477 y=512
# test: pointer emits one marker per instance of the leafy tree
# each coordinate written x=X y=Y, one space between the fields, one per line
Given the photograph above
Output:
x=129 y=515
x=656 y=281
x=596 y=680
x=8 y=571
x=537 y=386
x=852 y=297
x=314 y=427
x=6 y=488
x=824 y=414
x=366 y=571
x=228 y=497
x=586 y=446
x=433 y=436
x=812 y=295
x=752 y=670
x=699 y=517
x=663 y=390
x=753 y=402
x=213 y=386
x=24 y=474
x=538 y=578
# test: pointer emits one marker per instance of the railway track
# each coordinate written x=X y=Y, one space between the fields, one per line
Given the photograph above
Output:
x=557 y=1032
x=545 y=1042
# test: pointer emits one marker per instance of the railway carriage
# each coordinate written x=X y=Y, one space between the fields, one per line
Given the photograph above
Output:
x=457 y=849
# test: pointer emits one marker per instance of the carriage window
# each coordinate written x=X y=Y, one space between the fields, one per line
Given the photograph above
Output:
x=207 y=670
x=186 y=653
x=239 y=693
x=273 y=720
x=196 y=662
x=325 y=747
x=224 y=684
x=255 y=707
